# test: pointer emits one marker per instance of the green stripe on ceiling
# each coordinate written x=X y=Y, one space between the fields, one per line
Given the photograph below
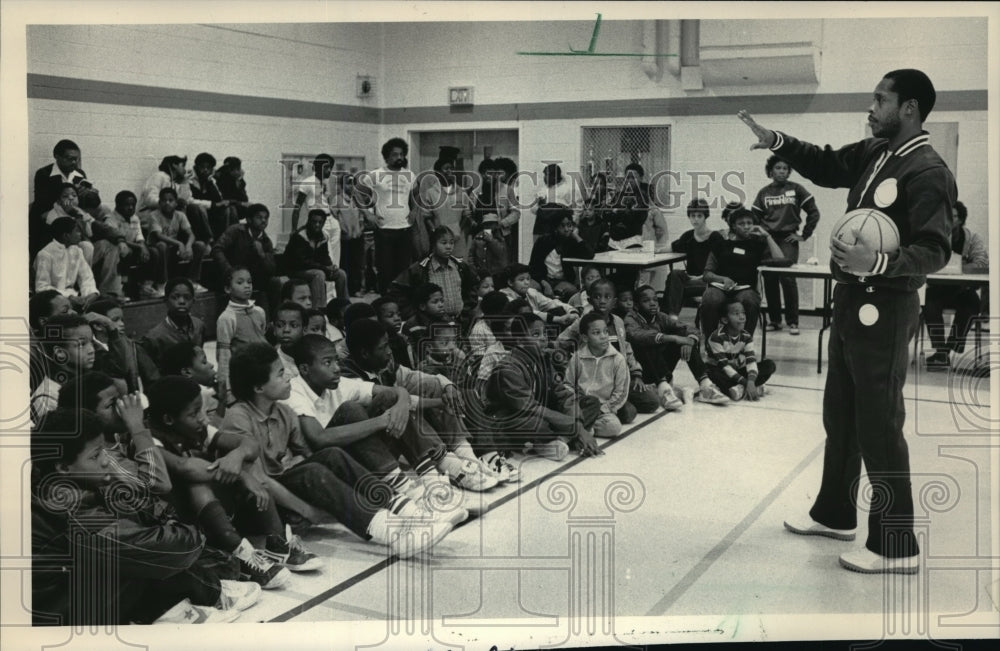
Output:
x=106 y=92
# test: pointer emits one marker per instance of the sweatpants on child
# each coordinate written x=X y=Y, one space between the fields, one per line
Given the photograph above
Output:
x=765 y=369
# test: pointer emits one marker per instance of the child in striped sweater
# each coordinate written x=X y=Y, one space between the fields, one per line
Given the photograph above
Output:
x=732 y=362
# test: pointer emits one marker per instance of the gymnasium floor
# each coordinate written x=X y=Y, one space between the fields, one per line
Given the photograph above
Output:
x=685 y=514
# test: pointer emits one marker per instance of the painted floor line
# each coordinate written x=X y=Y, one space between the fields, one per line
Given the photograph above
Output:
x=378 y=567
x=696 y=572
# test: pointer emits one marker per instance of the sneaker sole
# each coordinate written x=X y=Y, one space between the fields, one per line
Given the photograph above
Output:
x=718 y=402
x=439 y=533
x=309 y=566
x=884 y=570
x=828 y=533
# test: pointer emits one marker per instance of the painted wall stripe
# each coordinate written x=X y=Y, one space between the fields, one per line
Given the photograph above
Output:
x=106 y=92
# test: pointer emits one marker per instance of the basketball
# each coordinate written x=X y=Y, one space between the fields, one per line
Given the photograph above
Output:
x=873 y=224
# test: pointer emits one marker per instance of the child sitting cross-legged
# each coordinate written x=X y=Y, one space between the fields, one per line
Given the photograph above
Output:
x=217 y=486
x=481 y=336
x=732 y=361
x=520 y=404
x=147 y=566
x=598 y=374
x=642 y=397
x=442 y=356
x=328 y=479
x=659 y=342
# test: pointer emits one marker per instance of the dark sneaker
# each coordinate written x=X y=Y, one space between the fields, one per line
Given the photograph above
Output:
x=291 y=553
x=259 y=568
x=938 y=362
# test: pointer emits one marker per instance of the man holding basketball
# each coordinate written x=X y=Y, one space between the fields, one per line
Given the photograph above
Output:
x=876 y=311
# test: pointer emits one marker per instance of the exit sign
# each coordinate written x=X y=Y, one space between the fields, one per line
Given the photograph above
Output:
x=460 y=95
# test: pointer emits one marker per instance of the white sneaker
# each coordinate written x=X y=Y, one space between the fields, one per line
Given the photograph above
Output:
x=238 y=595
x=805 y=526
x=404 y=536
x=186 y=612
x=441 y=500
x=471 y=476
x=668 y=399
x=736 y=392
x=868 y=562
x=711 y=395
x=504 y=469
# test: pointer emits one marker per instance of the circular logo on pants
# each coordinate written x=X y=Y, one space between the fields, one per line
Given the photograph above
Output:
x=868 y=314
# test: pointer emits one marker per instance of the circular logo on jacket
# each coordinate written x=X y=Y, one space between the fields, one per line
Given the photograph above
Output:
x=868 y=314
x=885 y=193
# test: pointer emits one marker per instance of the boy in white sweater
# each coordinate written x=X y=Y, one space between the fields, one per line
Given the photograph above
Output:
x=597 y=370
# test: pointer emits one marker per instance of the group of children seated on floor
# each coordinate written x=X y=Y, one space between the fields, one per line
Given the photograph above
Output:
x=380 y=416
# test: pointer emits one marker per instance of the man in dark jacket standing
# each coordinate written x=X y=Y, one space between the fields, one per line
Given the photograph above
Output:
x=876 y=310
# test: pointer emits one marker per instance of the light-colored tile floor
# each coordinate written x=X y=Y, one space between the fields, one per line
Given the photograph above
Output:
x=683 y=516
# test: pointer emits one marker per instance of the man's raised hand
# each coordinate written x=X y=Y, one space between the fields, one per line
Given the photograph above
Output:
x=765 y=137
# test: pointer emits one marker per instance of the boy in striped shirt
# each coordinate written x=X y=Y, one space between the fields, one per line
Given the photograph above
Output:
x=732 y=362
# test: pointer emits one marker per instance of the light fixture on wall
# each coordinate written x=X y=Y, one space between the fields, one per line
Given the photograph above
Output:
x=366 y=86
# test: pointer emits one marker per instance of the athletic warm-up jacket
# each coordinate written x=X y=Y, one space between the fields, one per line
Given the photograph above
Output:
x=911 y=185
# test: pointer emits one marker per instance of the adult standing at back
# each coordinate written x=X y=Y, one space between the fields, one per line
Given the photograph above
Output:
x=876 y=311
x=448 y=203
x=388 y=192
x=778 y=206
x=48 y=186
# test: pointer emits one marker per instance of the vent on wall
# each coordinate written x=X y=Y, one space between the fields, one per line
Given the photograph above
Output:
x=366 y=86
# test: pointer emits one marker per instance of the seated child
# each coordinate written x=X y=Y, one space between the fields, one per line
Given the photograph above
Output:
x=67 y=351
x=481 y=337
x=329 y=478
x=61 y=266
x=518 y=405
x=179 y=325
x=297 y=290
x=732 y=361
x=307 y=257
x=429 y=302
x=387 y=313
x=626 y=300
x=316 y=322
x=41 y=307
x=109 y=244
x=115 y=352
x=68 y=205
x=189 y=360
x=287 y=325
x=440 y=268
x=335 y=322
x=240 y=324
x=597 y=370
x=168 y=230
x=518 y=280
x=442 y=436
x=659 y=342
x=142 y=262
x=642 y=397
x=216 y=486
x=589 y=275
x=162 y=570
x=442 y=356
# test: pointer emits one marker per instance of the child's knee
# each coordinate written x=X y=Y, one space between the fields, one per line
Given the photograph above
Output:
x=351 y=411
x=627 y=413
x=607 y=426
